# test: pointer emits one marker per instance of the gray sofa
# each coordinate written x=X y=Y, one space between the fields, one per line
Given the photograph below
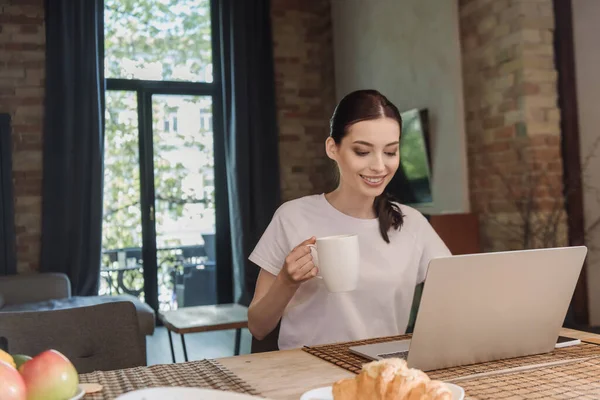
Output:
x=52 y=291
x=100 y=337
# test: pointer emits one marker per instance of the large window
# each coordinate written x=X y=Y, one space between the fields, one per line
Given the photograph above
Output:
x=159 y=184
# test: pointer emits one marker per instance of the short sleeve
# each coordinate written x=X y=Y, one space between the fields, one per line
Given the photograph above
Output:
x=273 y=247
x=433 y=247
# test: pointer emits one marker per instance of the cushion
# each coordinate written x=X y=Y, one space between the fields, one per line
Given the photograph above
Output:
x=145 y=313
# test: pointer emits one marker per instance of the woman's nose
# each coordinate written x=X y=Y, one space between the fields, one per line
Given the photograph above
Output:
x=377 y=164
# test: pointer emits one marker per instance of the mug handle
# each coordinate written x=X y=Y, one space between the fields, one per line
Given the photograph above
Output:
x=315 y=256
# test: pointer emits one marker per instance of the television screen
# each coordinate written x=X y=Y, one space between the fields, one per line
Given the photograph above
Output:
x=412 y=183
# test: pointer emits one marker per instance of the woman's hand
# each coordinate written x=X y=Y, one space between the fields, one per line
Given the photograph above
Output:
x=299 y=266
x=274 y=292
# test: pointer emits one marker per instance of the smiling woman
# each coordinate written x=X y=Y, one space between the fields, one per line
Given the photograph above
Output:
x=395 y=241
x=364 y=140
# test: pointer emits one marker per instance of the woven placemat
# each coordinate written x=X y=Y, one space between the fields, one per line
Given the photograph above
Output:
x=208 y=374
x=574 y=380
x=339 y=355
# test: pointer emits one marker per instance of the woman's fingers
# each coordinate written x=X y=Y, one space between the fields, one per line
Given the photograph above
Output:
x=299 y=262
x=313 y=272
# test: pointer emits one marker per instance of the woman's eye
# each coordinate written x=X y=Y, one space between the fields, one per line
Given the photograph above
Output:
x=361 y=153
x=391 y=154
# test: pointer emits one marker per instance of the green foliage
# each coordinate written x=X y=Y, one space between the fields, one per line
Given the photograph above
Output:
x=175 y=36
x=172 y=33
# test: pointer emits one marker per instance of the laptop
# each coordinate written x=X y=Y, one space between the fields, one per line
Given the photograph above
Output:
x=490 y=306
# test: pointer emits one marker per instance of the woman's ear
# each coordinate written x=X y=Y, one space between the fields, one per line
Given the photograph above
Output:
x=331 y=148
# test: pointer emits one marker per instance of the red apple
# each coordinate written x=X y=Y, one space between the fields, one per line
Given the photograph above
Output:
x=12 y=386
x=50 y=376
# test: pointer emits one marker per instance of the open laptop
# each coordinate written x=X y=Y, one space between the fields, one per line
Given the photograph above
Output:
x=483 y=307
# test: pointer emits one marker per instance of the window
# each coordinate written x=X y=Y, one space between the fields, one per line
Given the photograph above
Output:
x=158 y=157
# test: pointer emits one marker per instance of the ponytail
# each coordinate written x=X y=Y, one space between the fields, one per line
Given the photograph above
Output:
x=389 y=215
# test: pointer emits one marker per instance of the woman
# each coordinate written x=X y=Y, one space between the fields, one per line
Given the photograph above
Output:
x=396 y=241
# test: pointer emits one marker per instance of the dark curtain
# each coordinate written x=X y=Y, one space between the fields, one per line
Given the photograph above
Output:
x=251 y=139
x=73 y=142
x=8 y=261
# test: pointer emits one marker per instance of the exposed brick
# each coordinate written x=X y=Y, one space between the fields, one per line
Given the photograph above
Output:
x=20 y=19
x=531 y=88
x=552 y=115
x=22 y=54
x=30 y=28
x=305 y=93
x=536 y=115
x=532 y=36
x=512 y=116
x=23 y=46
x=540 y=75
x=509 y=105
x=538 y=62
x=540 y=49
x=12 y=73
x=505 y=133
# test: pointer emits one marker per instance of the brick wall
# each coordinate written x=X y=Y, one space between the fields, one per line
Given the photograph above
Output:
x=512 y=120
x=304 y=86
x=22 y=47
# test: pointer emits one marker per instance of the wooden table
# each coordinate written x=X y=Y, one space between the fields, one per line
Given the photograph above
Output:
x=205 y=319
x=289 y=373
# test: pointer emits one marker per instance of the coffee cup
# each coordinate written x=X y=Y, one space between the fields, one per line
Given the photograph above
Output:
x=338 y=259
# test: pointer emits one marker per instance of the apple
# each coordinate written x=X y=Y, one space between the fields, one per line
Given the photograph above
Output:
x=12 y=386
x=50 y=376
x=20 y=359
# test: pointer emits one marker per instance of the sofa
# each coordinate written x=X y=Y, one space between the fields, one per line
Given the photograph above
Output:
x=52 y=291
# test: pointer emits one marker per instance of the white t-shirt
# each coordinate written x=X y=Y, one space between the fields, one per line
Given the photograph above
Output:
x=380 y=306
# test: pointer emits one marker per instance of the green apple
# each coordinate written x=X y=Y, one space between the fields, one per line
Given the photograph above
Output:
x=20 y=359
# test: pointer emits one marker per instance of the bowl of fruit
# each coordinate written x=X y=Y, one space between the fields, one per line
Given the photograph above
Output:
x=46 y=376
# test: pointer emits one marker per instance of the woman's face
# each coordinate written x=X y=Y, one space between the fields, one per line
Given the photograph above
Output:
x=368 y=156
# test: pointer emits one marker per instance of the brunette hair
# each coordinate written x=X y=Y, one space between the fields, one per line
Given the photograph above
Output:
x=362 y=105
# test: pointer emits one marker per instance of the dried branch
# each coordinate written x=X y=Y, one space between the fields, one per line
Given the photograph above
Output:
x=538 y=226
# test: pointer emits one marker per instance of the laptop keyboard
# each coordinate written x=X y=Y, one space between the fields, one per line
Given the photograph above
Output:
x=398 y=354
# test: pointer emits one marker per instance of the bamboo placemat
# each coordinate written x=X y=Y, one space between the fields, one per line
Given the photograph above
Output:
x=574 y=380
x=208 y=374
x=339 y=355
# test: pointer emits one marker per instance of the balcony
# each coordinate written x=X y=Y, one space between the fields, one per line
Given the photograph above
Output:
x=186 y=275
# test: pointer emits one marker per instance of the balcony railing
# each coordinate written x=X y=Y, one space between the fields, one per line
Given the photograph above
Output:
x=186 y=275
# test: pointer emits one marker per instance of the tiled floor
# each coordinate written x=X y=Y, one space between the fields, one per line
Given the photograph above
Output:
x=199 y=345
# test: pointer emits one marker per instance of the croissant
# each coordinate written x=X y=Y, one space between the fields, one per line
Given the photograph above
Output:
x=390 y=379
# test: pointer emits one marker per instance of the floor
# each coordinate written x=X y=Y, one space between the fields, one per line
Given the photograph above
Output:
x=199 y=345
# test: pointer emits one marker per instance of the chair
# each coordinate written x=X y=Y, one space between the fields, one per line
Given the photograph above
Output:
x=198 y=286
x=52 y=291
x=99 y=337
x=33 y=288
x=269 y=343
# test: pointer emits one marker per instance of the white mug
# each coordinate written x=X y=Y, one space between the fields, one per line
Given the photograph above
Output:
x=338 y=260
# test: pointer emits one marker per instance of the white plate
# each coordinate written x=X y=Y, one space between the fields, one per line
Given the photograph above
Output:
x=324 y=393
x=78 y=394
x=183 y=393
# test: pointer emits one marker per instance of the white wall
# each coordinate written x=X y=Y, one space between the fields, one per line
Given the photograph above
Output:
x=586 y=27
x=410 y=51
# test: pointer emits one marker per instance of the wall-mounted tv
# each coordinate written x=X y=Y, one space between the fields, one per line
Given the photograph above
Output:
x=412 y=183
